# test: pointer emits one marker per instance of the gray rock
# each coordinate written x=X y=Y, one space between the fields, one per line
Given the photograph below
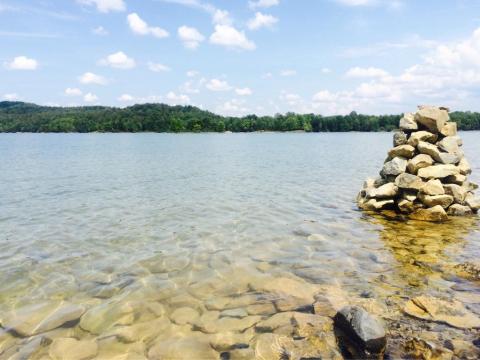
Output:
x=448 y=158
x=362 y=331
x=395 y=167
x=432 y=118
x=473 y=202
x=449 y=144
x=399 y=138
x=408 y=181
x=389 y=190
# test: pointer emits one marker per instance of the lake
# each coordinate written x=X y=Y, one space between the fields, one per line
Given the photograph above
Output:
x=185 y=245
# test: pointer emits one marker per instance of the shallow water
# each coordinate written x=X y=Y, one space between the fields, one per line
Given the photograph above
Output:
x=184 y=221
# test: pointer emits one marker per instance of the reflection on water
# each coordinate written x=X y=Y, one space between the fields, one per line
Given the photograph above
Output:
x=201 y=246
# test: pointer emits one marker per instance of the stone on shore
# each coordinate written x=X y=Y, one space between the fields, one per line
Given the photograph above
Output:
x=396 y=166
x=448 y=158
x=407 y=122
x=409 y=181
x=182 y=349
x=386 y=191
x=438 y=171
x=363 y=331
x=424 y=136
x=432 y=118
x=429 y=149
x=399 y=138
x=405 y=151
x=433 y=187
x=433 y=214
x=473 y=202
x=374 y=205
x=418 y=162
x=451 y=312
x=433 y=200
x=449 y=144
x=458 y=192
x=459 y=210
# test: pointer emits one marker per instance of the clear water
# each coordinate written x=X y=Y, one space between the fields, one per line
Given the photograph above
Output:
x=193 y=210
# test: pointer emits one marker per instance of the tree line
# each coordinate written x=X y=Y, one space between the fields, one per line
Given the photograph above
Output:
x=25 y=117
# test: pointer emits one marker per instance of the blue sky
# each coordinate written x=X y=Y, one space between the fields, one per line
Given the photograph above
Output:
x=238 y=56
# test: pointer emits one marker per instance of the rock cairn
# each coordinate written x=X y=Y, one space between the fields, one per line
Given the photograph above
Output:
x=425 y=173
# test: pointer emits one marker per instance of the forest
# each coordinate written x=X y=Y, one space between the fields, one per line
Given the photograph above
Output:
x=25 y=117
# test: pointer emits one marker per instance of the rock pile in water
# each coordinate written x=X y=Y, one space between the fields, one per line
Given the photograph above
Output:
x=425 y=173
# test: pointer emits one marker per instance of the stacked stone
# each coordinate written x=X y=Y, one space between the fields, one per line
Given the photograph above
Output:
x=425 y=174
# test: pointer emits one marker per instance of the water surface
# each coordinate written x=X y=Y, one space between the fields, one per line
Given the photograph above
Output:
x=183 y=220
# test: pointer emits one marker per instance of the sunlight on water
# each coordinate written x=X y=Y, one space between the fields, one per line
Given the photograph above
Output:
x=199 y=246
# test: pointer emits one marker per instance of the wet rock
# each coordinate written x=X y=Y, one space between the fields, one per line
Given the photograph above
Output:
x=241 y=354
x=432 y=118
x=405 y=151
x=375 y=205
x=407 y=122
x=31 y=348
x=418 y=162
x=73 y=349
x=438 y=171
x=112 y=349
x=409 y=181
x=459 y=210
x=35 y=319
x=230 y=340
x=417 y=348
x=424 y=136
x=212 y=323
x=142 y=331
x=395 y=167
x=308 y=228
x=184 y=315
x=399 y=138
x=433 y=187
x=283 y=287
x=362 y=333
x=450 y=312
x=235 y=313
x=265 y=308
x=434 y=214
x=272 y=347
x=182 y=349
x=406 y=206
x=469 y=270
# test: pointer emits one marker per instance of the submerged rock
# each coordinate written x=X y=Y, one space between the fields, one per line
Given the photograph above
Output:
x=434 y=214
x=73 y=349
x=451 y=312
x=364 y=335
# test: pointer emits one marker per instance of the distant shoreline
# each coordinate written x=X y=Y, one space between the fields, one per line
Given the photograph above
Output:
x=20 y=117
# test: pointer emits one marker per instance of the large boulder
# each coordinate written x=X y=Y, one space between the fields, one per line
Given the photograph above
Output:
x=407 y=122
x=433 y=187
x=360 y=331
x=459 y=210
x=424 y=136
x=434 y=214
x=405 y=151
x=438 y=171
x=449 y=144
x=433 y=118
x=418 y=162
x=395 y=167
x=448 y=158
x=409 y=181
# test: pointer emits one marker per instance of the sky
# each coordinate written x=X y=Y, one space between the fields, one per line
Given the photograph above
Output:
x=238 y=57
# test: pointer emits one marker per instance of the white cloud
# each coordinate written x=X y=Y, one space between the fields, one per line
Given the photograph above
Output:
x=118 y=60
x=218 y=85
x=326 y=70
x=193 y=86
x=89 y=97
x=261 y=20
x=100 y=30
x=370 y=72
x=288 y=72
x=105 y=6
x=192 y=73
x=233 y=107
x=11 y=97
x=243 y=91
x=157 y=67
x=140 y=27
x=291 y=99
x=221 y=17
x=126 y=98
x=73 y=92
x=91 y=78
x=230 y=37
x=263 y=3
x=177 y=99
x=357 y=2
x=324 y=96
x=22 y=63
x=190 y=36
